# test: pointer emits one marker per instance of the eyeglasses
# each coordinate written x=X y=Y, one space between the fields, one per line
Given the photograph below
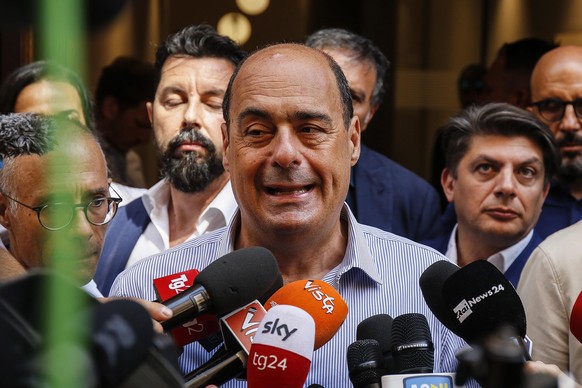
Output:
x=55 y=216
x=553 y=109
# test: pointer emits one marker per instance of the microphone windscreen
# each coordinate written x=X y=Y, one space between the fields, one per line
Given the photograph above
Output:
x=480 y=299
x=379 y=327
x=365 y=363
x=282 y=349
x=432 y=283
x=320 y=300
x=412 y=346
x=239 y=277
x=576 y=318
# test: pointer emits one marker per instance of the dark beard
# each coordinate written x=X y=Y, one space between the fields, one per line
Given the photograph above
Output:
x=186 y=173
x=571 y=166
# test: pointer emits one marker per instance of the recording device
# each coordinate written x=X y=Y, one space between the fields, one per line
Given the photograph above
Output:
x=224 y=285
x=576 y=318
x=365 y=363
x=282 y=348
x=412 y=347
x=379 y=327
x=317 y=298
x=320 y=300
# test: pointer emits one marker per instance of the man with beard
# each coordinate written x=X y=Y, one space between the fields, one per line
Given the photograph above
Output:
x=557 y=101
x=193 y=67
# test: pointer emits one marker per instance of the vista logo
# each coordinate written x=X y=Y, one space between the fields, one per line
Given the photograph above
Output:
x=429 y=382
x=463 y=309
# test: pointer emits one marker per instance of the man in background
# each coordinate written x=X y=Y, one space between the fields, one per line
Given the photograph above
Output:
x=121 y=116
x=382 y=193
x=193 y=67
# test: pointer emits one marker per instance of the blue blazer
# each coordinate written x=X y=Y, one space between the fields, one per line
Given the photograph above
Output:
x=513 y=272
x=388 y=196
x=122 y=234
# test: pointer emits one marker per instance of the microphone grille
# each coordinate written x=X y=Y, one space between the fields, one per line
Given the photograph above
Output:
x=364 y=363
x=412 y=346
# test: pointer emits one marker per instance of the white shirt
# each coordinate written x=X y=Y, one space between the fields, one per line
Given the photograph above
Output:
x=127 y=193
x=91 y=289
x=156 y=237
x=502 y=259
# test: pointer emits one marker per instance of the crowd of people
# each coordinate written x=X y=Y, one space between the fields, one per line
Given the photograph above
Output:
x=265 y=149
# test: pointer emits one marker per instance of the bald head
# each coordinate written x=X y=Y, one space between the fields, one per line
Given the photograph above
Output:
x=290 y=58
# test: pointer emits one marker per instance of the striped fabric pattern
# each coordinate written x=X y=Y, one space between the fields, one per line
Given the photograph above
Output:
x=379 y=274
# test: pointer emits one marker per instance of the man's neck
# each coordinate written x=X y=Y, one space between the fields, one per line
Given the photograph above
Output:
x=301 y=256
x=184 y=209
x=471 y=248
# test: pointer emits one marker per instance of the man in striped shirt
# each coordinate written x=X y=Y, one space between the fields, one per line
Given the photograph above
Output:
x=290 y=139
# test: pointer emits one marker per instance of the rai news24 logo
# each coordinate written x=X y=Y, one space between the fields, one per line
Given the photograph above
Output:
x=428 y=382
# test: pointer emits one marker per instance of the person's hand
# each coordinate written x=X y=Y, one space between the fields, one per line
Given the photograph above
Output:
x=156 y=310
x=533 y=367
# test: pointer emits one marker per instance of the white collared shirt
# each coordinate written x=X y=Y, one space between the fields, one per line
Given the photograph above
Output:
x=156 y=237
x=502 y=259
x=91 y=289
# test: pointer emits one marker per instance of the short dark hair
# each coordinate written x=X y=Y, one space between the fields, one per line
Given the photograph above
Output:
x=362 y=47
x=522 y=55
x=341 y=81
x=32 y=134
x=129 y=80
x=497 y=119
x=38 y=71
x=197 y=41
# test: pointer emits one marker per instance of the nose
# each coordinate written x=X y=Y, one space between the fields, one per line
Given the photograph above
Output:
x=570 y=121
x=80 y=225
x=285 y=149
x=192 y=116
x=505 y=183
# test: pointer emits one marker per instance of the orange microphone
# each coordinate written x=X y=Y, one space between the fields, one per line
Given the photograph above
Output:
x=320 y=300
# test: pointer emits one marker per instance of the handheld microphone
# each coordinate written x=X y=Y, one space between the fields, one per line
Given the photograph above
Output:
x=412 y=347
x=224 y=285
x=320 y=300
x=282 y=349
x=576 y=318
x=379 y=328
x=365 y=363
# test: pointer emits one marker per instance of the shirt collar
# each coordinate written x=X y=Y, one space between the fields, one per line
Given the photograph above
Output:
x=502 y=259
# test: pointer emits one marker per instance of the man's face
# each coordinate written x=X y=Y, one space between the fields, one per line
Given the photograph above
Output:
x=288 y=151
x=130 y=127
x=499 y=189
x=49 y=98
x=82 y=177
x=186 y=116
x=361 y=76
x=562 y=80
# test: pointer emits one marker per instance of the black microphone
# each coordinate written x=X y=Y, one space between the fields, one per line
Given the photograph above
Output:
x=473 y=301
x=226 y=284
x=379 y=328
x=412 y=347
x=365 y=362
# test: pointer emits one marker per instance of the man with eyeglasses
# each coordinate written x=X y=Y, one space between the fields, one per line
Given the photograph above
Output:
x=556 y=85
x=54 y=186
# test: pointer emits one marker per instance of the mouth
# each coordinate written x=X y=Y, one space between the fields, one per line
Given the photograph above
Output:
x=502 y=213
x=277 y=190
x=189 y=146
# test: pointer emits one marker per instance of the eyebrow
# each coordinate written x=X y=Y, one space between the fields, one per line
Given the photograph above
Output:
x=486 y=158
x=303 y=115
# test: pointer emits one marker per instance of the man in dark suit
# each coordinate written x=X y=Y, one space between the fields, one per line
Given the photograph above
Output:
x=382 y=193
x=499 y=161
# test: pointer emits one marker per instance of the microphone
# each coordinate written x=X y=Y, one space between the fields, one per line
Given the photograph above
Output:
x=379 y=328
x=473 y=301
x=224 y=285
x=576 y=318
x=282 y=349
x=320 y=300
x=412 y=347
x=365 y=363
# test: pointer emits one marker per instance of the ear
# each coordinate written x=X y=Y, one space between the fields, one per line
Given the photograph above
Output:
x=546 y=190
x=225 y=145
x=448 y=184
x=109 y=107
x=150 y=109
x=355 y=136
x=5 y=212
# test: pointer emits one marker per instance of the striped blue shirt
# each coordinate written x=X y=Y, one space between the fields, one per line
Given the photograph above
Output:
x=379 y=274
